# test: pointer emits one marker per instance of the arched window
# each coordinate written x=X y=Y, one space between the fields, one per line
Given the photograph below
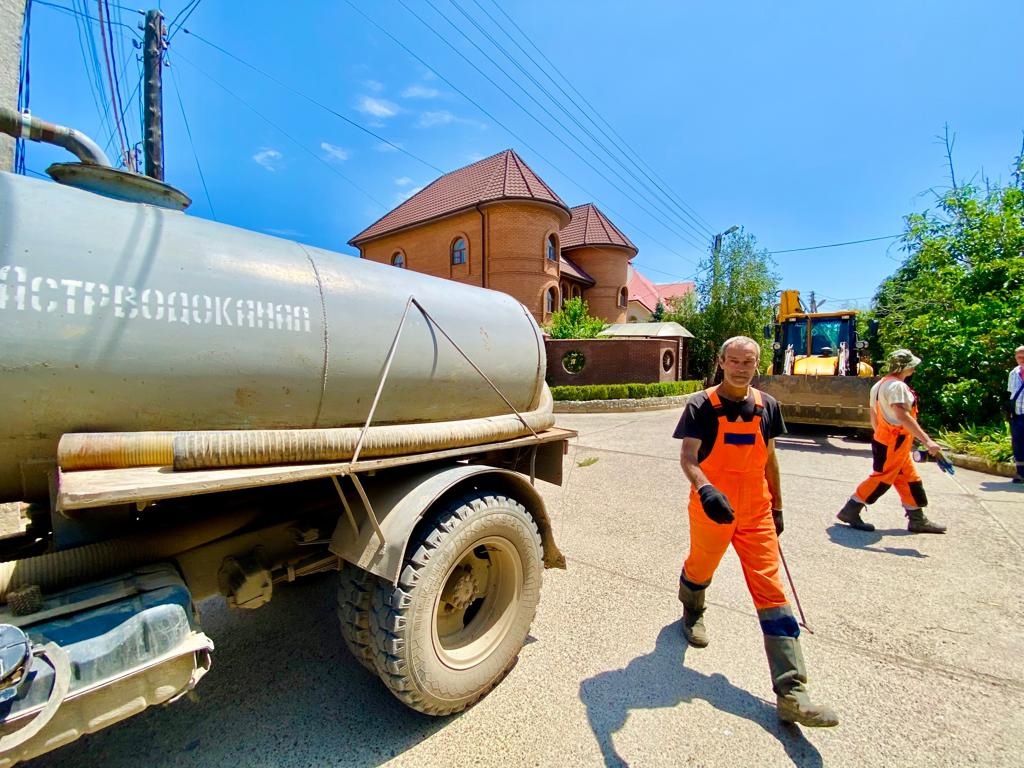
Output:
x=552 y=248
x=459 y=251
x=565 y=293
x=623 y=297
x=398 y=260
x=550 y=300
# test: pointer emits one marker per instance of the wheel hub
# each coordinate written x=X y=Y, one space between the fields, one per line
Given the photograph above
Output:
x=461 y=589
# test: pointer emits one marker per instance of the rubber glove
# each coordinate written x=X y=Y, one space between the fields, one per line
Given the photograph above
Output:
x=715 y=505
x=777 y=519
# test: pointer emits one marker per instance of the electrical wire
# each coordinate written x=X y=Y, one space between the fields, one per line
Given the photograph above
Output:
x=188 y=11
x=512 y=133
x=24 y=84
x=684 y=220
x=494 y=43
x=188 y=131
x=837 y=245
x=110 y=78
x=621 y=142
x=311 y=100
x=537 y=120
x=283 y=132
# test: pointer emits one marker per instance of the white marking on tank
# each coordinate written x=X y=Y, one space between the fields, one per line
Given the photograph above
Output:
x=20 y=292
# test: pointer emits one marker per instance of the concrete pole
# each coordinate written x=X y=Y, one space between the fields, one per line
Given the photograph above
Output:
x=12 y=14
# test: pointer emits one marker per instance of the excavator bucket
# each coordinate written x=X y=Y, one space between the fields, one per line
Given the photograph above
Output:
x=839 y=401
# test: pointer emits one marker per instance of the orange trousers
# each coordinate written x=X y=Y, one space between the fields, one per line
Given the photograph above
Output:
x=752 y=535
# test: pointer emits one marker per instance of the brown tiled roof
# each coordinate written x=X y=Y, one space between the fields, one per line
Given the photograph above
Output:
x=503 y=176
x=647 y=293
x=675 y=290
x=591 y=227
x=570 y=268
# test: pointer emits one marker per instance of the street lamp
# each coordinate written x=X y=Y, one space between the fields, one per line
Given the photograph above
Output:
x=718 y=238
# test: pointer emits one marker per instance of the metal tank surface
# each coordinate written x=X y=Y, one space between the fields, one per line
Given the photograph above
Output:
x=119 y=316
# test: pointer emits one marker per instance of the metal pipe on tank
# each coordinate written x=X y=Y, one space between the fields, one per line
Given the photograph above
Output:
x=24 y=126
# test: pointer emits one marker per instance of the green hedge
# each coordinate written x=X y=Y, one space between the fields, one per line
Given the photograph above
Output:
x=625 y=391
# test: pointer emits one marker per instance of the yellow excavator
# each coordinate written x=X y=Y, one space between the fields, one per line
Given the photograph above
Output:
x=820 y=372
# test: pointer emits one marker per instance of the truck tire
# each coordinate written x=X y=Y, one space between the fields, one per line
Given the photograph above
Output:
x=355 y=594
x=453 y=626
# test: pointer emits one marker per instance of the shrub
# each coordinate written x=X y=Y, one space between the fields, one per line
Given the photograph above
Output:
x=624 y=391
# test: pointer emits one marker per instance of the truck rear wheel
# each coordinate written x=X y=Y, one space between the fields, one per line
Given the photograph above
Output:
x=454 y=625
x=355 y=594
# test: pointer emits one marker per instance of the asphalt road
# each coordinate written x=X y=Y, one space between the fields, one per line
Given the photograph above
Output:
x=918 y=640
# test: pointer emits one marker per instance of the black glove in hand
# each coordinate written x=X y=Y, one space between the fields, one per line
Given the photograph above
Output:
x=715 y=505
x=777 y=519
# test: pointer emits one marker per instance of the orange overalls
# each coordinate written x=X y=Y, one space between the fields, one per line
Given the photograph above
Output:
x=736 y=466
x=892 y=465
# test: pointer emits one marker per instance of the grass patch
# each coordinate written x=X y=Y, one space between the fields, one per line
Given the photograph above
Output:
x=587 y=461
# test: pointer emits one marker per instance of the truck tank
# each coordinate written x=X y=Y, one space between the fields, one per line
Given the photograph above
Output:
x=121 y=316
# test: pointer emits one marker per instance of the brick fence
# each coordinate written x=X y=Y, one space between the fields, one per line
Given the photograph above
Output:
x=615 y=361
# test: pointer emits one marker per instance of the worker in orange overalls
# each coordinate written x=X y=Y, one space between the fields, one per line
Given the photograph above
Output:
x=894 y=421
x=728 y=455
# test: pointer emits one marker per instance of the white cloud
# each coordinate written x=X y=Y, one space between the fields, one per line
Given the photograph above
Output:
x=420 y=92
x=383 y=147
x=377 y=107
x=333 y=152
x=401 y=197
x=405 y=181
x=268 y=158
x=429 y=119
x=374 y=85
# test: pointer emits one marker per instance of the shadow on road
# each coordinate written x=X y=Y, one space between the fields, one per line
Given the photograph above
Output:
x=661 y=679
x=820 y=444
x=1001 y=485
x=845 y=536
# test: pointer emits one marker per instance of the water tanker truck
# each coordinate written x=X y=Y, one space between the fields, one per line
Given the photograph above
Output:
x=194 y=410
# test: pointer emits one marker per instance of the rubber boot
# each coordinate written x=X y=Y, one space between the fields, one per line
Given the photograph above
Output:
x=918 y=523
x=694 y=631
x=850 y=514
x=789 y=681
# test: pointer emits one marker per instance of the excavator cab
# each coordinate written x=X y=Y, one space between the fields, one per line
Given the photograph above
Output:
x=817 y=373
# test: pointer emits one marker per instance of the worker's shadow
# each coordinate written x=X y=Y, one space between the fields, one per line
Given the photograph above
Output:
x=845 y=536
x=661 y=679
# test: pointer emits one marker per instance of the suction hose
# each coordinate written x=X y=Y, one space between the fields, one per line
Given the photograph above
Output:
x=240 y=448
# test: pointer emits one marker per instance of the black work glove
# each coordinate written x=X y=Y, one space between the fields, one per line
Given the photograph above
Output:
x=715 y=505
x=777 y=519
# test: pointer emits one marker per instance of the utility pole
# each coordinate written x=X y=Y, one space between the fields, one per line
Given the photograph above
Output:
x=153 y=97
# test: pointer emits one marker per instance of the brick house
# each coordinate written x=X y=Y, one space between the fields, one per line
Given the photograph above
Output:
x=645 y=295
x=496 y=224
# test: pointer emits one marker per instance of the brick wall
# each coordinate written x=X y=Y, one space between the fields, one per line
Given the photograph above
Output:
x=516 y=245
x=609 y=268
x=616 y=361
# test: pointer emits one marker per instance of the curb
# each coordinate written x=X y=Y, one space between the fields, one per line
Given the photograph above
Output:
x=978 y=464
x=620 y=406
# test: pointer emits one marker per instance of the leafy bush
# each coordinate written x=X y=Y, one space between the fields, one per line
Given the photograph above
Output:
x=989 y=442
x=624 y=391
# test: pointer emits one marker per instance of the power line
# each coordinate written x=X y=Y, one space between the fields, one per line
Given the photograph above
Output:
x=114 y=95
x=188 y=130
x=311 y=100
x=512 y=133
x=561 y=105
x=836 y=245
x=187 y=10
x=666 y=209
x=283 y=132
x=515 y=101
x=551 y=64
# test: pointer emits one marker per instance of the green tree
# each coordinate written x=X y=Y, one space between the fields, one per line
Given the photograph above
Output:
x=956 y=301
x=659 y=312
x=735 y=291
x=573 y=321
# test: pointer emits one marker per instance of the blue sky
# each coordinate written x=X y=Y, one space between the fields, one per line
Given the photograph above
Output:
x=806 y=123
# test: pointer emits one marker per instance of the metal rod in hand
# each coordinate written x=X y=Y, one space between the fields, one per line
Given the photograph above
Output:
x=792 y=587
